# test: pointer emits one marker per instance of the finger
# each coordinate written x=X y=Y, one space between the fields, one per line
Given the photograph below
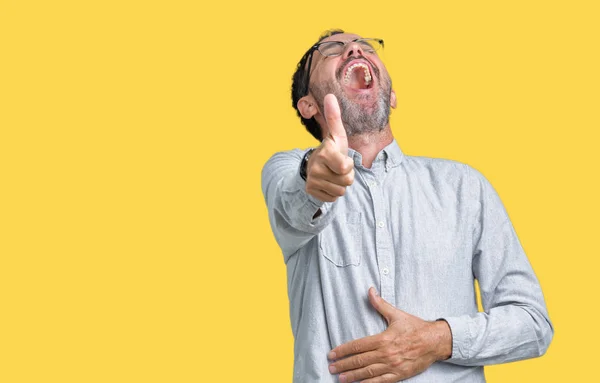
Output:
x=385 y=378
x=330 y=155
x=341 y=179
x=330 y=188
x=323 y=172
x=355 y=362
x=334 y=123
x=321 y=195
x=382 y=306
x=326 y=160
x=368 y=372
x=357 y=346
x=340 y=164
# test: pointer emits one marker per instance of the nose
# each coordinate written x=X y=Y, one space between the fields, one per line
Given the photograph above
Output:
x=353 y=49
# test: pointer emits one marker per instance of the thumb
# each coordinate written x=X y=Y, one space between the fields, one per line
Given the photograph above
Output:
x=334 y=122
x=382 y=306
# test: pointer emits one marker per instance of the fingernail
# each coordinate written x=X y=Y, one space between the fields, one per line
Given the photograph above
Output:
x=331 y=355
x=332 y=369
x=342 y=379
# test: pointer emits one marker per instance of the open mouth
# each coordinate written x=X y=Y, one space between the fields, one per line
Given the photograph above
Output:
x=358 y=76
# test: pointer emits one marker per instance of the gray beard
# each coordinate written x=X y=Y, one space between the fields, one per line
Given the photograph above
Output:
x=358 y=119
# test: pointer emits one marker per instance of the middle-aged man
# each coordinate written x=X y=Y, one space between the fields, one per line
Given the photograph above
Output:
x=382 y=249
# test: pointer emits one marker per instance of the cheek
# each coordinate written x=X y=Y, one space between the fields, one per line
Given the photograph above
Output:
x=382 y=71
x=327 y=71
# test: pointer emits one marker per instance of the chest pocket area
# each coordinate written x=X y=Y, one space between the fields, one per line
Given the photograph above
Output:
x=341 y=243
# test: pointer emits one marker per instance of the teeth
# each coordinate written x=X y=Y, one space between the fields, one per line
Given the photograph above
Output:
x=354 y=66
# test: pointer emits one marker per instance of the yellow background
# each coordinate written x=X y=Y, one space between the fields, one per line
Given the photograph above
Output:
x=134 y=240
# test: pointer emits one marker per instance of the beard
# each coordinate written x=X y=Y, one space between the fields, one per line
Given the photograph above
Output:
x=359 y=118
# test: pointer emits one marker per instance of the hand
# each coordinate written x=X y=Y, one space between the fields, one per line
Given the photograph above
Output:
x=329 y=169
x=406 y=348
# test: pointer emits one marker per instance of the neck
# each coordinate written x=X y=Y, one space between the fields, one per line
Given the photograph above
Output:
x=368 y=145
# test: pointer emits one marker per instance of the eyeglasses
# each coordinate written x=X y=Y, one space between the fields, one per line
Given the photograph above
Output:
x=336 y=48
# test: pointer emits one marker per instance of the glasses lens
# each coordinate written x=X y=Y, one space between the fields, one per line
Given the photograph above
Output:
x=331 y=48
x=370 y=45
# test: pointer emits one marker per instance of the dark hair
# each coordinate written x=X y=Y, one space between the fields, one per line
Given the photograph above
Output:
x=299 y=80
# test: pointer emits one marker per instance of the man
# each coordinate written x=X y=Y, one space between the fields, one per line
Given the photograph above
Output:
x=382 y=249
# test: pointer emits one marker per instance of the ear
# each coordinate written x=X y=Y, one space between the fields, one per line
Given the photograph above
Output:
x=393 y=101
x=307 y=106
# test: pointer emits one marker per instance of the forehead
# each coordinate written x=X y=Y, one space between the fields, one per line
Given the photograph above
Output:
x=343 y=37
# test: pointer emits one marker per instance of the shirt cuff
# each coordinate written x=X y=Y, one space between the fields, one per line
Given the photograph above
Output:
x=461 y=338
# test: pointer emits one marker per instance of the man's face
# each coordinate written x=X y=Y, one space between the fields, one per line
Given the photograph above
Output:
x=360 y=82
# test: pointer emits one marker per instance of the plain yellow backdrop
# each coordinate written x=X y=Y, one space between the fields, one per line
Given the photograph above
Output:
x=134 y=239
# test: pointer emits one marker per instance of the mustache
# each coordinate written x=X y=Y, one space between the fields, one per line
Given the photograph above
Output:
x=340 y=70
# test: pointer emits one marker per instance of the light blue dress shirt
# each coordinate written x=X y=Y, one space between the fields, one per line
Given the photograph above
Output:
x=421 y=231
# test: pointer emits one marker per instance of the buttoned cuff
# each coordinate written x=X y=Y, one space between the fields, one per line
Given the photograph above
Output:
x=461 y=338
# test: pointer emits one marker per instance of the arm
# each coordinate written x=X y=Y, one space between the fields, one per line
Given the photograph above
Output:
x=299 y=210
x=515 y=324
x=291 y=208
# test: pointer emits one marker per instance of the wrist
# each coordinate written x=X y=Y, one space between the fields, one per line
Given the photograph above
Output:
x=304 y=163
x=442 y=339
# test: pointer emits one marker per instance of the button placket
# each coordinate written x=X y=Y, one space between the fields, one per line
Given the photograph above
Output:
x=383 y=248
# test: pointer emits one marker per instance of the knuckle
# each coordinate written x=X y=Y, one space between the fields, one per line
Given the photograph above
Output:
x=388 y=352
x=396 y=363
x=370 y=372
x=358 y=361
x=327 y=145
x=312 y=170
x=405 y=370
x=348 y=179
x=345 y=168
x=320 y=154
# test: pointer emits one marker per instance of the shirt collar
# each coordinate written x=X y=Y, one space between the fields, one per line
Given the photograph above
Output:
x=392 y=155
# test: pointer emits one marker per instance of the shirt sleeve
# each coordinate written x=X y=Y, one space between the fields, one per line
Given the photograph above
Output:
x=515 y=324
x=291 y=209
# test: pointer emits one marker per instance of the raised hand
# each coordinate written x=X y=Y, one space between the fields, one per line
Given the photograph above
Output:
x=329 y=170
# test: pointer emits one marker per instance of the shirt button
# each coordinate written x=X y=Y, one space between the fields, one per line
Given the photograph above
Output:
x=385 y=271
x=372 y=184
x=380 y=224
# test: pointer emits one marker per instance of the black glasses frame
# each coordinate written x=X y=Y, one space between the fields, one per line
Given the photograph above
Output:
x=316 y=47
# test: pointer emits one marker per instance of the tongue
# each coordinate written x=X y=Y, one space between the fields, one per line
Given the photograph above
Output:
x=357 y=79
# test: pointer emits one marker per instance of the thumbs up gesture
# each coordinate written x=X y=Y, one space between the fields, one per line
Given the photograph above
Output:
x=329 y=170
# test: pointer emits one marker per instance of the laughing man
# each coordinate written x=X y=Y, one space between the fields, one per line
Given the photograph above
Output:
x=382 y=249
